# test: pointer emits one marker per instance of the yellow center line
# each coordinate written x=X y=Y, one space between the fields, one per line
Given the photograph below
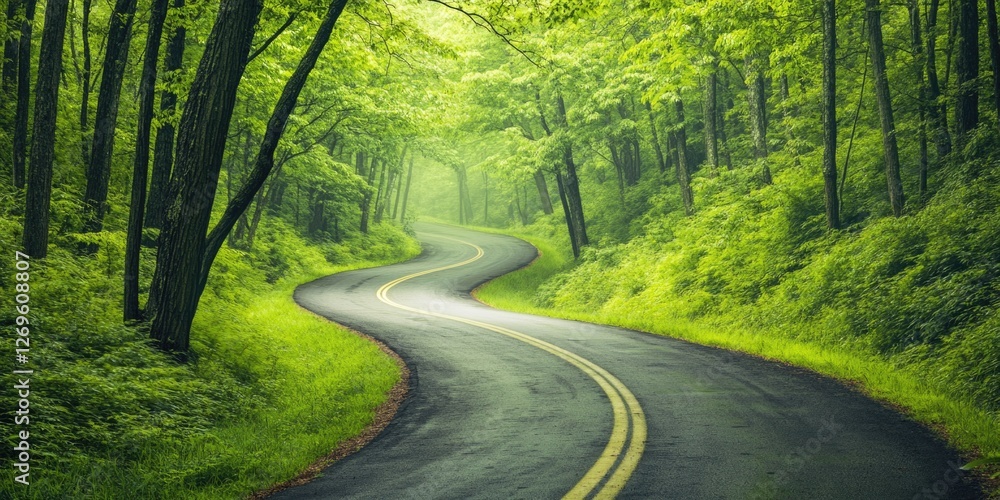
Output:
x=624 y=406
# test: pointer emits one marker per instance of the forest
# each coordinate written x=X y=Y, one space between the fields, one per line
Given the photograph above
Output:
x=816 y=183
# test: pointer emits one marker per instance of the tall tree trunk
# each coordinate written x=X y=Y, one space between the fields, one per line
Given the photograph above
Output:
x=140 y=166
x=106 y=119
x=661 y=163
x=200 y=145
x=380 y=192
x=967 y=69
x=683 y=169
x=830 y=114
x=392 y=173
x=36 y=213
x=568 y=215
x=991 y=31
x=24 y=93
x=406 y=192
x=757 y=100
x=895 y=185
x=711 y=137
x=936 y=111
x=571 y=181
x=366 y=200
x=543 y=192
x=85 y=75
x=721 y=125
x=163 y=151
x=918 y=53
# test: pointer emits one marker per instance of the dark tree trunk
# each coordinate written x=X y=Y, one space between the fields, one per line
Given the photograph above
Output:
x=258 y=211
x=200 y=145
x=936 y=111
x=884 y=99
x=36 y=213
x=682 y=168
x=661 y=163
x=967 y=69
x=711 y=137
x=571 y=181
x=366 y=200
x=390 y=174
x=380 y=192
x=757 y=100
x=20 y=141
x=85 y=75
x=163 y=151
x=140 y=166
x=721 y=126
x=543 y=192
x=918 y=53
x=830 y=114
x=991 y=31
x=406 y=191
x=570 y=226
x=99 y=170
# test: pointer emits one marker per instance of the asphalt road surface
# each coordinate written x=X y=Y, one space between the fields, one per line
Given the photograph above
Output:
x=506 y=405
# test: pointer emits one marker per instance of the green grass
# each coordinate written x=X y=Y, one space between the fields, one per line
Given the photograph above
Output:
x=969 y=429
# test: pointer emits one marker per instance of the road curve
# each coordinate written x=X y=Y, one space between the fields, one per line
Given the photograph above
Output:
x=507 y=405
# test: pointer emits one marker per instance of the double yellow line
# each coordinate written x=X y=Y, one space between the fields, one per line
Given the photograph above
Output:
x=616 y=463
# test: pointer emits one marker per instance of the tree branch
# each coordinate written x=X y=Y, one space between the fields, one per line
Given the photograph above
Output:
x=267 y=43
x=483 y=22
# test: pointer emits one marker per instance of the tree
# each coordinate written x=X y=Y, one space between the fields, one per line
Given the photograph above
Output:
x=711 y=119
x=85 y=76
x=115 y=57
x=20 y=141
x=682 y=167
x=163 y=152
x=757 y=100
x=36 y=213
x=200 y=143
x=994 y=44
x=922 y=105
x=140 y=165
x=264 y=163
x=830 y=113
x=936 y=111
x=571 y=181
x=891 y=150
x=967 y=68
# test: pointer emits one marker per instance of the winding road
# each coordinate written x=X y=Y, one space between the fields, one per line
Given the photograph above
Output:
x=507 y=405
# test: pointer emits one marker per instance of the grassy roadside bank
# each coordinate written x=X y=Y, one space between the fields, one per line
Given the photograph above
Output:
x=270 y=388
x=968 y=428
